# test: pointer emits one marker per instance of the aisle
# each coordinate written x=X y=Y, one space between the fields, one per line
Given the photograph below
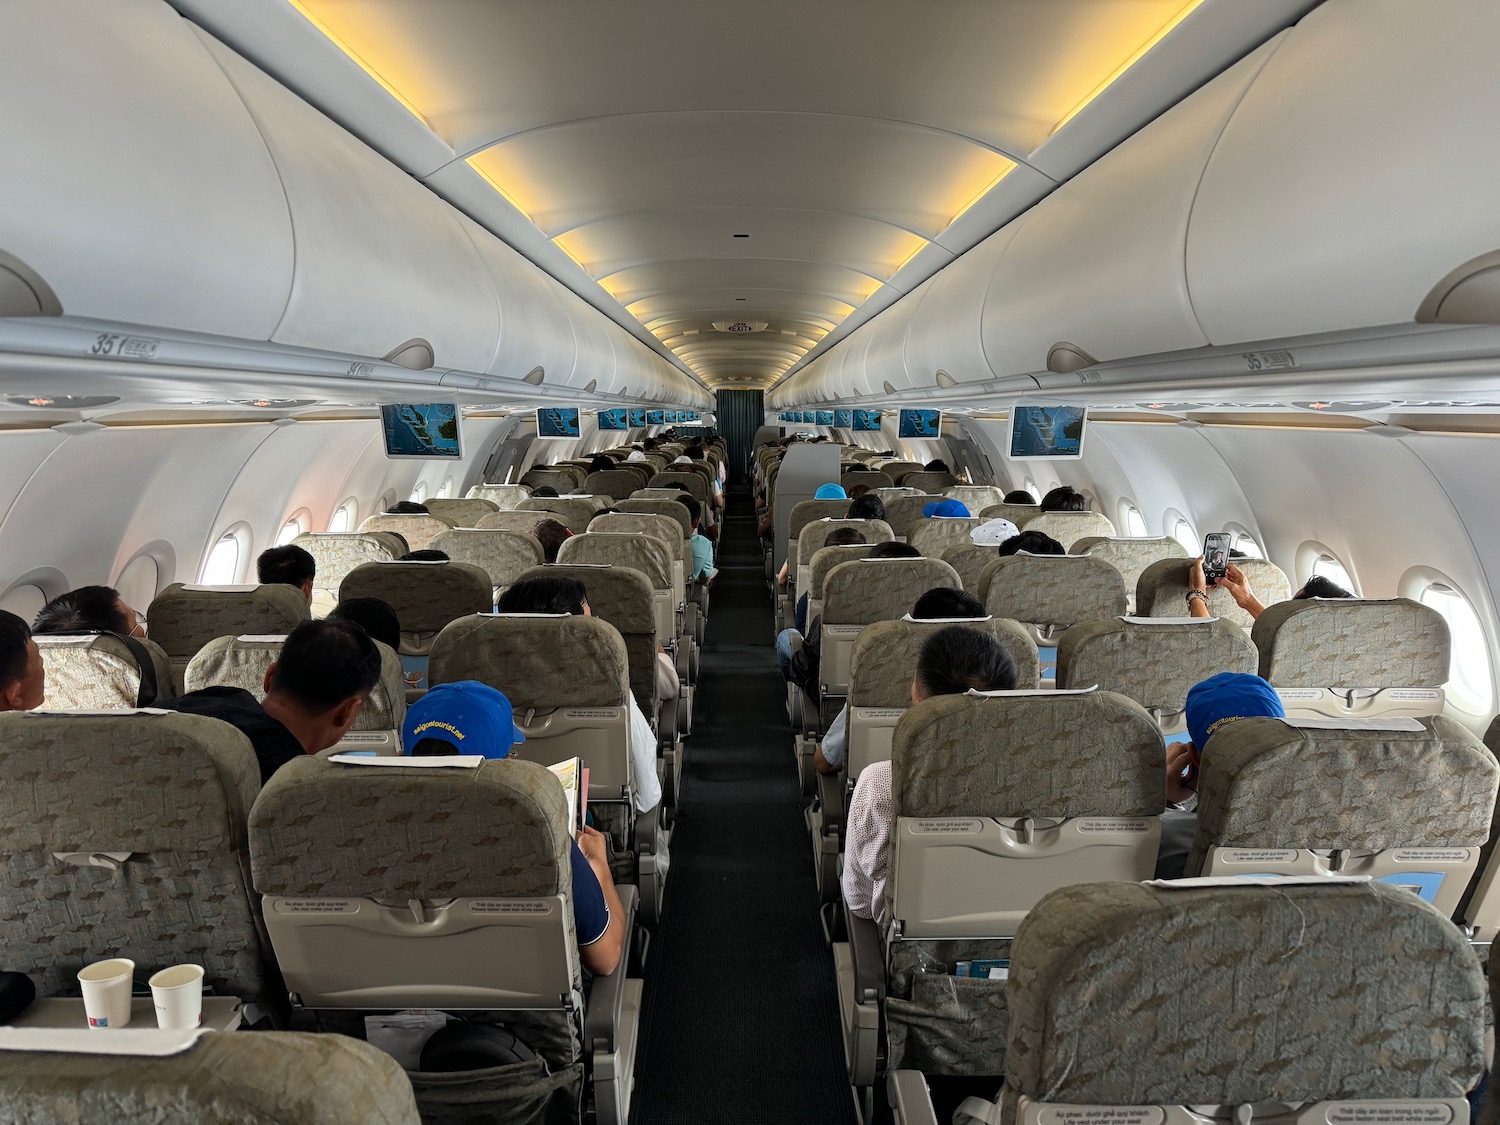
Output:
x=740 y=1024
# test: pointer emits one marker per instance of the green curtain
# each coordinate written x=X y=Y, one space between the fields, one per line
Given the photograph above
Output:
x=740 y=414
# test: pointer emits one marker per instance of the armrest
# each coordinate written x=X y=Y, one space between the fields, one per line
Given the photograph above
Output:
x=831 y=799
x=647 y=824
x=911 y=1101
x=601 y=1022
x=867 y=956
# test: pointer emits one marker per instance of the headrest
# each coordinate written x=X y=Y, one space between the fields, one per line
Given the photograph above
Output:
x=461 y=511
x=337 y=553
x=418 y=530
x=494 y=551
x=645 y=553
x=619 y=594
x=103 y=671
x=669 y=531
x=1161 y=588
x=883 y=660
x=539 y=662
x=425 y=596
x=1352 y=643
x=1155 y=664
x=184 y=620
x=1052 y=589
x=866 y=590
x=1069 y=527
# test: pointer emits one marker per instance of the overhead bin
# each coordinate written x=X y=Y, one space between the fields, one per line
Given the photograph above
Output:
x=947 y=314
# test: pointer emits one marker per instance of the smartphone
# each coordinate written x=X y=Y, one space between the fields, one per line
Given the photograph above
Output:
x=1216 y=555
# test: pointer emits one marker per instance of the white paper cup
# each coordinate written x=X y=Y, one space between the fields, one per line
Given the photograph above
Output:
x=106 y=992
x=177 y=994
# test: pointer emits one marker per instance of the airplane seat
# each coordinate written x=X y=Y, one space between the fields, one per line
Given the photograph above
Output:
x=426 y=596
x=568 y=681
x=669 y=531
x=697 y=483
x=336 y=553
x=503 y=496
x=103 y=671
x=574 y=511
x=503 y=555
x=514 y=520
x=1132 y=556
x=404 y=887
x=1069 y=527
x=464 y=511
x=1094 y=960
x=674 y=511
x=1341 y=658
x=1405 y=801
x=899 y=470
x=813 y=536
x=653 y=558
x=1161 y=590
x=975 y=497
x=803 y=513
x=996 y=799
x=242 y=662
x=416 y=529
x=614 y=483
x=903 y=509
x=1051 y=593
x=1152 y=660
x=295 y=1077
x=934 y=484
x=124 y=836
x=1018 y=514
x=556 y=477
x=871 y=479
x=185 y=618
x=968 y=559
x=934 y=535
x=821 y=562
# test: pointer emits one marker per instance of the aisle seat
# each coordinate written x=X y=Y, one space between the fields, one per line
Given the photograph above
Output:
x=650 y=556
x=671 y=509
x=819 y=566
x=904 y=509
x=426 y=596
x=503 y=496
x=934 y=535
x=574 y=511
x=1131 y=557
x=1161 y=590
x=185 y=618
x=812 y=538
x=503 y=555
x=969 y=560
x=665 y=530
x=103 y=671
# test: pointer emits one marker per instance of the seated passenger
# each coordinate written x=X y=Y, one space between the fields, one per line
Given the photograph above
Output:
x=695 y=453
x=1211 y=704
x=993 y=533
x=428 y=554
x=551 y=534
x=288 y=565
x=407 y=508
x=89 y=609
x=374 y=616
x=599 y=463
x=1065 y=499
x=545 y=492
x=839 y=537
x=824 y=492
x=858 y=490
x=802 y=667
x=1019 y=496
x=703 y=552
x=945 y=510
x=567 y=595
x=941 y=603
x=1238 y=585
x=936 y=465
x=468 y=717
x=1033 y=543
x=866 y=505
x=313 y=694
x=954 y=660
x=23 y=676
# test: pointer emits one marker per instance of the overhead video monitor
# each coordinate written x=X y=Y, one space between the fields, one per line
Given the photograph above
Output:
x=637 y=418
x=614 y=420
x=557 y=422
x=428 y=429
x=656 y=417
x=843 y=418
x=915 y=423
x=1047 y=432
x=805 y=416
x=866 y=421
x=825 y=417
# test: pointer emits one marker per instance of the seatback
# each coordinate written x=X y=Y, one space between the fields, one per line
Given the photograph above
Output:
x=1131 y=556
x=855 y=594
x=806 y=512
x=337 y=553
x=1069 y=527
x=1018 y=514
x=1161 y=590
x=283 y=1076
x=1264 y=987
x=501 y=554
x=671 y=509
x=975 y=497
x=1406 y=801
x=1345 y=657
x=883 y=663
x=123 y=835
x=503 y=496
x=897 y=470
x=425 y=595
x=930 y=483
x=185 y=618
x=103 y=672
x=696 y=482
x=644 y=553
x=853 y=478
x=813 y=536
x=515 y=520
x=658 y=526
x=1053 y=591
x=822 y=562
x=969 y=560
x=933 y=536
x=903 y=510
x=464 y=511
x=349 y=857
x=575 y=511
x=557 y=478
x=614 y=483
x=418 y=530
x=1154 y=661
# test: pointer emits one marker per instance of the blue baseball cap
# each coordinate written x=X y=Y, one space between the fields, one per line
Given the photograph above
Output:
x=1225 y=698
x=830 y=492
x=473 y=717
x=948 y=509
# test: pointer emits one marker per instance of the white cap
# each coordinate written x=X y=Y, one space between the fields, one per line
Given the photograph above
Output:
x=993 y=532
x=636 y=455
x=683 y=460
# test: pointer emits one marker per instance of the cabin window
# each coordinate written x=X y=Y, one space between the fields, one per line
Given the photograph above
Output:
x=222 y=567
x=1030 y=486
x=419 y=493
x=25 y=601
x=1182 y=531
x=1135 y=523
x=445 y=490
x=1245 y=543
x=137 y=583
x=1470 y=683
x=293 y=527
x=1329 y=567
x=343 y=519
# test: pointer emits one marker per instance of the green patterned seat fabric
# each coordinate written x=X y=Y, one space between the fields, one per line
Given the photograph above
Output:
x=814 y=536
x=98 y=672
x=806 y=512
x=425 y=595
x=969 y=559
x=1132 y=556
x=465 y=511
x=904 y=509
x=635 y=523
x=934 y=484
x=517 y=521
x=1339 y=642
x=418 y=530
x=622 y=597
x=853 y=478
x=242 y=662
x=1154 y=665
x=975 y=497
x=184 y=619
x=573 y=511
x=933 y=536
x=823 y=561
x=1161 y=590
x=172 y=790
x=614 y=483
x=265 y=1078
x=1134 y=995
x=899 y=470
x=866 y=590
x=1018 y=514
x=1069 y=527
x=1057 y=590
x=503 y=496
x=651 y=556
x=884 y=658
x=1267 y=784
x=558 y=478
x=500 y=554
x=539 y=662
x=337 y=553
x=696 y=482
x=669 y=508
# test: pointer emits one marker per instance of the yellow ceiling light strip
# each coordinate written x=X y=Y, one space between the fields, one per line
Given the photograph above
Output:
x=473 y=162
x=1010 y=166
x=354 y=57
x=1140 y=52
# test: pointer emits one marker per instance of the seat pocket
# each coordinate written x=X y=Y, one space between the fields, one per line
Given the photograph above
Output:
x=525 y=1093
x=951 y=1025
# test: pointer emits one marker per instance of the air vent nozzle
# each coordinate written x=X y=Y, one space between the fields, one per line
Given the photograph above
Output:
x=415 y=355
x=1064 y=358
x=890 y=388
x=23 y=292
x=945 y=380
x=535 y=376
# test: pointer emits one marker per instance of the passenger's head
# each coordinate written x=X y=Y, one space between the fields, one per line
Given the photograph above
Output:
x=695 y=509
x=545 y=492
x=428 y=554
x=935 y=466
x=1019 y=496
x=407 y=508
x=1226 y=698
x=1033 y=543
x=599 y=463
x=844 y=537
x=374 y=616
x=551 y=534
x=1320 y=587
x=958 y=659
x=830 y=492
x=893 y=550
x=88 y=609
x=859 y=490
x=1065 y=499
x=546 y=594
x=464 y=717
x=324 y=671
x=694 y=453
x=867 y=507
x=287 y=566
x=23 y=678
x=942 y=602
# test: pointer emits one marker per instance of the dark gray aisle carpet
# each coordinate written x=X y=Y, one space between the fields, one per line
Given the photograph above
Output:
x=740 y=1022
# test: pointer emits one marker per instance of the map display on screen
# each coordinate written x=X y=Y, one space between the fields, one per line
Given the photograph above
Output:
x=420 y=429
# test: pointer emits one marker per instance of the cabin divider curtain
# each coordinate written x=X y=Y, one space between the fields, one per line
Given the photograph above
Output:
x=740 y=414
